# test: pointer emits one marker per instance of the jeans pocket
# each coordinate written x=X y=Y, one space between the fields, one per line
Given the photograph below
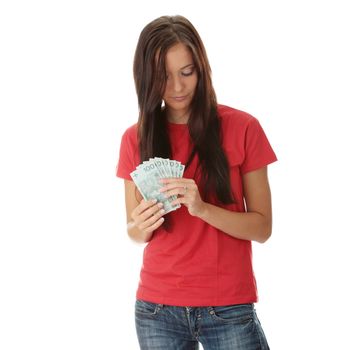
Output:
x=146 y=308
x=233 y=314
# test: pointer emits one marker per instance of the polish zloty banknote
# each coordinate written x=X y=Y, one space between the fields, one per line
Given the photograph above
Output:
x=147 y=179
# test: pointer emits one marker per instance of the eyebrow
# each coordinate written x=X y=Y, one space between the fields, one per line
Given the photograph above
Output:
x=187 y=65
x=191 y=64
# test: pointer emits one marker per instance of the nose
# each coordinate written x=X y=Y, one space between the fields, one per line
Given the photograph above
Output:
x=177 y=84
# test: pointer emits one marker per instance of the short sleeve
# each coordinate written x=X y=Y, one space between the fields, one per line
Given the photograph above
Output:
x=127 y=154
x=257 y=149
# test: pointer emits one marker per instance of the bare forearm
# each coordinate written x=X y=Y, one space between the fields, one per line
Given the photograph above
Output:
x=249 y=226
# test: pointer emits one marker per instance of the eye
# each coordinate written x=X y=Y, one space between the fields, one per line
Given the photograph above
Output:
x=188 y=72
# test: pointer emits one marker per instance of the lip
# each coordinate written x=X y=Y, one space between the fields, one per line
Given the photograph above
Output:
x=179 y=98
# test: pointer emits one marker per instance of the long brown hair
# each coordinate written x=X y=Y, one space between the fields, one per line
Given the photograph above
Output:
x=203 y=124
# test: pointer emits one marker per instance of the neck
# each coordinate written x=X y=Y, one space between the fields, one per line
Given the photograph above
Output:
x=177 y=118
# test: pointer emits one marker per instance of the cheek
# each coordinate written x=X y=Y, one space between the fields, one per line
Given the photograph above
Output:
x=166 y=91
x=194 y=82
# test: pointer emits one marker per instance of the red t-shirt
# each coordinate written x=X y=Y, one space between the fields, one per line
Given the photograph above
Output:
x=196 y=264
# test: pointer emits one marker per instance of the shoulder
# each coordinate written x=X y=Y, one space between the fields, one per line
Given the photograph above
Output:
x=238 y=128
x=129 y=139
x=234 y=120
x=131 y=131
x=128 y=152
x=130 y=135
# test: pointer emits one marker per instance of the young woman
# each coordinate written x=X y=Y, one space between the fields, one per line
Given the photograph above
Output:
x=197 y=283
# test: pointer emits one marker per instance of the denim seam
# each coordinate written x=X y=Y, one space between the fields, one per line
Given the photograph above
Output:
x=237 y=320
x=258 y=330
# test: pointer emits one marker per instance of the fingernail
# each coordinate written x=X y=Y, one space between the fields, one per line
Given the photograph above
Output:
x=160 y=204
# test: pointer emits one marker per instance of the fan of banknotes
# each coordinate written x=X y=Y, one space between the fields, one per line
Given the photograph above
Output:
x=147 y=175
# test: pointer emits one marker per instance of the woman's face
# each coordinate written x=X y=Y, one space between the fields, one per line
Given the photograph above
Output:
x=181 y=83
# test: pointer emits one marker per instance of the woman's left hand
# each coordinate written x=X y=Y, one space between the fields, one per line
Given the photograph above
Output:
x=187 y=193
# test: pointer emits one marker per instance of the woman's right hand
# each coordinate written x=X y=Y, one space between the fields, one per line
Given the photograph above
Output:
x=146 y=217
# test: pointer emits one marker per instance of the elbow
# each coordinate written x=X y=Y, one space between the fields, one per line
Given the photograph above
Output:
x=264 y=237
x=265 y=233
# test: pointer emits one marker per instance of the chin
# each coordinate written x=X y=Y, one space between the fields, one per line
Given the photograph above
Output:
x=179 y=106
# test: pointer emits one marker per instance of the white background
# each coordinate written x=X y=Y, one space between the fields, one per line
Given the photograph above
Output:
x=68 y=272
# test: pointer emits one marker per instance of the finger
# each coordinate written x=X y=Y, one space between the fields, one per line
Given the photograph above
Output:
x=152 y=220
x=144 y=205
x=150 y=212
x=179 y=200
x=145 y=210
x=177 y=191
x=171 y=180
x=153 y=227
x=175 y=185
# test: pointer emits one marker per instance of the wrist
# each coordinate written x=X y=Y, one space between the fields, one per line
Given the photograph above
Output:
x=130 y=225
x=203 y=211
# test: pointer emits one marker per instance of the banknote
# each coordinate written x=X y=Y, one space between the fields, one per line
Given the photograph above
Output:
x=147 y=177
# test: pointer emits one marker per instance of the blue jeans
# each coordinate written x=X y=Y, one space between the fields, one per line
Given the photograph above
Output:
x=162 y=327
